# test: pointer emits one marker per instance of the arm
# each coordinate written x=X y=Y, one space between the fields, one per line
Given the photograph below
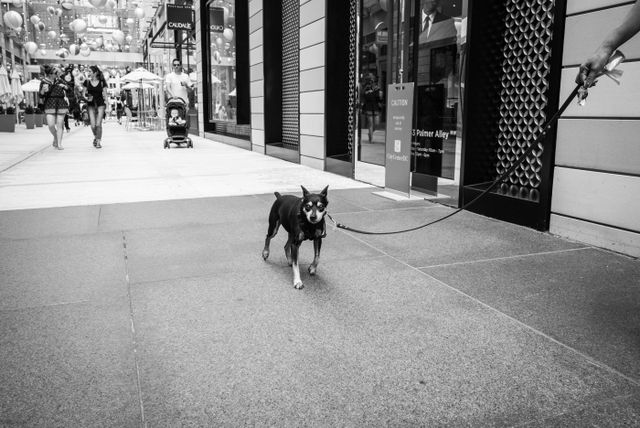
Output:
x=167 y=87
x=593 y=66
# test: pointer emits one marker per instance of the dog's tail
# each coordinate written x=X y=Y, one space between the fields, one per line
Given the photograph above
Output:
x=278 y=195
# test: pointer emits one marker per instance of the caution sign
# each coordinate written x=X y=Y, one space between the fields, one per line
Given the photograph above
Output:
x=398 y=142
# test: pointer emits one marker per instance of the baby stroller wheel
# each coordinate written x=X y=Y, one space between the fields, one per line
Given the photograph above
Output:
x=190 y=143
x=166 y=144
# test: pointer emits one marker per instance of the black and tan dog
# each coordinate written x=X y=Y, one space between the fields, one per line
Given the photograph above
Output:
x=303 y=218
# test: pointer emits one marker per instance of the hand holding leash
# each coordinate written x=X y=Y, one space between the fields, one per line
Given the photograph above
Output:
x=589 y=73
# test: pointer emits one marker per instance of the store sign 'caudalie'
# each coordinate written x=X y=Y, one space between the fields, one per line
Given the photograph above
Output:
x=179 y=17
x=216 y=20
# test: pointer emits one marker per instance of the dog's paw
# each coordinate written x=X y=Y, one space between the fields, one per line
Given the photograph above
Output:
x=312 y=270
x=265 y=254
x=298 y=285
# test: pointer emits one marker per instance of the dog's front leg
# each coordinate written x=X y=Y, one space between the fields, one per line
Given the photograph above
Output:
x=317 y=244
x=297 y=282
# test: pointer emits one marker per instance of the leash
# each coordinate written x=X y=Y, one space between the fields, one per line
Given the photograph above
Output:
x=609 y=71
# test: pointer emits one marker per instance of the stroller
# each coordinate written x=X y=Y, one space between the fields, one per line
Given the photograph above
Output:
x=177 y=123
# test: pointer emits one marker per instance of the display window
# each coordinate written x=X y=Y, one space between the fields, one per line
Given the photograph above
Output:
x=222 y=57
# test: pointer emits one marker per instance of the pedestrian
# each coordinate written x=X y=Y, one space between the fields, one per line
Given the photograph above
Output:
x=54 y=100
x=594 y=65
x=370 y=99
x=96 y=95
x=177 y=83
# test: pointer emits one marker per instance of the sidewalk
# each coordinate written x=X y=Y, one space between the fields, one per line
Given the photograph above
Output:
x=133 y=293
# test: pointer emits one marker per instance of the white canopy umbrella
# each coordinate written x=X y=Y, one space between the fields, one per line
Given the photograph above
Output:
x=139 y=85
x=32 y=85
x=5 y=86
x=141 y=74
x=16 y=88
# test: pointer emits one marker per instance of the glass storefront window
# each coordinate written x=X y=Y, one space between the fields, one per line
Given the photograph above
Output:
x=223 y=97
x=436 y=58
x=373 y=80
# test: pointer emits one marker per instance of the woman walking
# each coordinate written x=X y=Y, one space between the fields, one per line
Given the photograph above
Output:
x=56 y=106
x=96 y=95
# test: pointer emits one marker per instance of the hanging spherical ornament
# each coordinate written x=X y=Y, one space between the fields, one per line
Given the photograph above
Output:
x=51 y=10
x=228 y=34
x=75 y=72
x=86 y=52
x=67 y=5
x=130 y=21
x=128 y=39
x=41 y=26
x=219 y=42
x=31 y=47
x=111 y=4
x=99 y=41
x=79 y=25
x=59 y=12
x=13 y=19
x=118 y=36
x=43 y=52
x=139 y=12
x=74 y=49
x=52 y=34
x=127 y=47
x=102 y=19
x=34 y=19
x=84 y=47
x=98 y=3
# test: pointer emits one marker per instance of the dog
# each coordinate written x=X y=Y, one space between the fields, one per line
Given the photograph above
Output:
x=303 y=218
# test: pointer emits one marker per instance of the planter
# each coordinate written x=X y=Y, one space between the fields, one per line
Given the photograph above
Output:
x=7 y=123
x=30 y=120
x=39 y=119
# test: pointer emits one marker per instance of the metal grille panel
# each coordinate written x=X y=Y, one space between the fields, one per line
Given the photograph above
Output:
x=353 y=64
x=290 y=73
x=526 y=67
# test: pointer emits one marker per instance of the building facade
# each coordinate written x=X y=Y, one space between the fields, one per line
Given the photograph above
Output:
x=307 y=81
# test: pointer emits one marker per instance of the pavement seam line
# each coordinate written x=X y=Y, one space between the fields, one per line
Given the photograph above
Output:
x=581 y=354
x=133 y=330
x=517 y=256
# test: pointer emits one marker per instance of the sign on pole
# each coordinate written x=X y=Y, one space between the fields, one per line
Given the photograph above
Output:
x=398 y=143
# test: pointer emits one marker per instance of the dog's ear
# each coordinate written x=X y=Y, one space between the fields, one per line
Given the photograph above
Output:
x=305 y=192
x=324 y=192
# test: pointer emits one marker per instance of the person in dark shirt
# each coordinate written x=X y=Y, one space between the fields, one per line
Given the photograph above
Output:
x=53 y=92
x=96 y=95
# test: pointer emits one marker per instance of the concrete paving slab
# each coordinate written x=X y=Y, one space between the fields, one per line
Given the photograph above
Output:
x=617 y=412
x=588 y=299
x=25 y=224
x=183 y=212
x=60 y=270
x=68 y=365
x=370 y=343
x=158 y=254
x=468 y=237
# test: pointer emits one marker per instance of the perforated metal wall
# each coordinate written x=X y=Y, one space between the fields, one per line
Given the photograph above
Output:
x=353 y=92
x=526 y=70
x=290 y=73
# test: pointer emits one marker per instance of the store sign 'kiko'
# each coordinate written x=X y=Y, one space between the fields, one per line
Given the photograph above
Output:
x=179 y=17
x=216 y=20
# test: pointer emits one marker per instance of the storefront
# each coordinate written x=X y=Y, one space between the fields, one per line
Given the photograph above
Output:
x=225 y=73
x=427 y=49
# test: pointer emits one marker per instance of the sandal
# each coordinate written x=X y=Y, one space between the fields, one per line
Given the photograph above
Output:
x=98 y=146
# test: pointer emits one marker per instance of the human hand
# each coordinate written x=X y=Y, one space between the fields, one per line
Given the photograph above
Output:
x=592 y=68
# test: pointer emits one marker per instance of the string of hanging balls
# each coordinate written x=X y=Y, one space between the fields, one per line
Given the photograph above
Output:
x=14 y=20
